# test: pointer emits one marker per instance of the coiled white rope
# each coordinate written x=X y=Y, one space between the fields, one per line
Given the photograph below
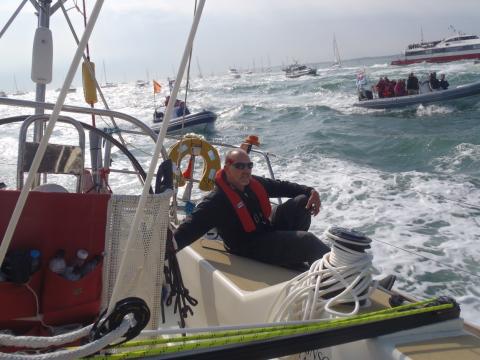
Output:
x=342 y=276
x=78 y=352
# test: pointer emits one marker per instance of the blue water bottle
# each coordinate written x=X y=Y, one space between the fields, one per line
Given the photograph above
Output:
x=34 y=260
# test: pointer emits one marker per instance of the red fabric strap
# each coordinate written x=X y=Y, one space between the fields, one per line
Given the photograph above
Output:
x=239 y=206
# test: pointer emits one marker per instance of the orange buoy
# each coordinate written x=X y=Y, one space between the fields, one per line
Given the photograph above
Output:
x=252 y=140
x=89 y=87
x=249 y=141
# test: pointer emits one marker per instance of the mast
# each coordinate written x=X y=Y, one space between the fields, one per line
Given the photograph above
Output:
x=104 y=72
x=336 y=53
x=15 y=90
x=199 y=70
x=44 y=11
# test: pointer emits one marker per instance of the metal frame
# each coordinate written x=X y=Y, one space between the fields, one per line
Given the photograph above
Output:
x=23 y=141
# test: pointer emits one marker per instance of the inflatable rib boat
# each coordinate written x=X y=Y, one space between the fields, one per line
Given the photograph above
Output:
x=201 y=121
x=458 y=92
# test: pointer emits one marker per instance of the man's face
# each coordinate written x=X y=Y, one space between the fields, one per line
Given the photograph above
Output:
x=239 y=170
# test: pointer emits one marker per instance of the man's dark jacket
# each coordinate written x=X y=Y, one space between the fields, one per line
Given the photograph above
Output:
x=412 y=83
x=217 y=211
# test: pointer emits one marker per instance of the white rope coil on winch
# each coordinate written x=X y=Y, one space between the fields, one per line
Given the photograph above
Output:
x=342 y=276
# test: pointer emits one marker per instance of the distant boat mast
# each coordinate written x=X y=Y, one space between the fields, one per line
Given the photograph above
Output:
x=336 y=53
x=199 y=70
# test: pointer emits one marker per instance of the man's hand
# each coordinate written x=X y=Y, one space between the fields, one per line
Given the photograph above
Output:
x=314 y=203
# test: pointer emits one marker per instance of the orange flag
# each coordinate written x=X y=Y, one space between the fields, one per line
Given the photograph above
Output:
x=156 y=87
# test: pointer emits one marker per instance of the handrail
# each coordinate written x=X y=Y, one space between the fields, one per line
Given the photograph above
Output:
x=84 y=110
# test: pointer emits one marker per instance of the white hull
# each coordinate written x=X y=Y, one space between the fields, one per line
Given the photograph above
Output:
x=233 y=290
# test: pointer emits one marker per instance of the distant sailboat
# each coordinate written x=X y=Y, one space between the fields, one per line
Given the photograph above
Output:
x=17 y=92
x=199 y=70
x=107 y=84
x=269 y=68
x=336 y=54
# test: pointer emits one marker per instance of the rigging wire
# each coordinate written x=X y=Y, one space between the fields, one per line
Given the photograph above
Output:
x=113 y=123
x=428 y=258
x=188 y=78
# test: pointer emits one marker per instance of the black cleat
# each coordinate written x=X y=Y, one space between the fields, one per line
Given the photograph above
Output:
x=387 y=282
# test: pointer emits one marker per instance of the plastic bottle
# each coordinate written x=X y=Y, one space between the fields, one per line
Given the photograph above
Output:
x=90 y=265
x=72 y=273
x=35 y=260
x=57 y=264
x=80 y=259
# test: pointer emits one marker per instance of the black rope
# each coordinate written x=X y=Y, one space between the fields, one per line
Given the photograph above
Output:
x=179 y=295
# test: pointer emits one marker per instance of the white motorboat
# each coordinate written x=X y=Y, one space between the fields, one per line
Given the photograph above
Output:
x=234 y=73
x=296 y=70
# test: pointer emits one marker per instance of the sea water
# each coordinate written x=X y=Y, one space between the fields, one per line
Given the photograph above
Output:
x=408 y=178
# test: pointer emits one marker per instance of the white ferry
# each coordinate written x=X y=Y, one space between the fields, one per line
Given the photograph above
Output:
x=458 y=47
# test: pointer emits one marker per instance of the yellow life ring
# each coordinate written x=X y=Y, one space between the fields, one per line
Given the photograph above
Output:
x=194 y=145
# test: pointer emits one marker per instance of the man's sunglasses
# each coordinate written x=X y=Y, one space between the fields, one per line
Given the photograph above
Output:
x=242 y=165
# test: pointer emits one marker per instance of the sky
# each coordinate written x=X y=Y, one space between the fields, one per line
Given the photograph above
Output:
x=137 y=39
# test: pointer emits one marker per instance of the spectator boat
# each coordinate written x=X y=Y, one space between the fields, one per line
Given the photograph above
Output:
x=452 y=93
x=296 y=70
x=458 y=47
x=234 y=73
x=202 y=121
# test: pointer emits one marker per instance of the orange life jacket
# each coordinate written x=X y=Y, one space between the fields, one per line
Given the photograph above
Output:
x=240 y=208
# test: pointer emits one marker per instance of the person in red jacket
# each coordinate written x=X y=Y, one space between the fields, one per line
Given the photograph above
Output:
x=239 y=208
x=388 y=89
x=380 y=88
x=391 y=88
x=400 y=88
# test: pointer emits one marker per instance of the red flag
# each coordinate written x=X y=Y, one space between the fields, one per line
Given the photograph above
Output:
x=156 y=87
